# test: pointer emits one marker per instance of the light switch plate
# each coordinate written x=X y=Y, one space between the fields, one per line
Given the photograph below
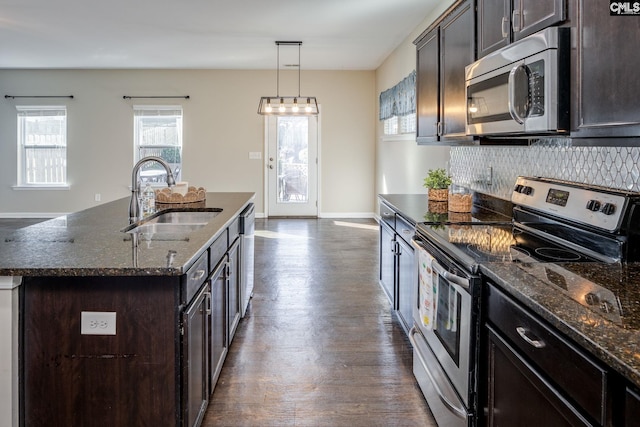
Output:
x=98 y=323
x=255 y=155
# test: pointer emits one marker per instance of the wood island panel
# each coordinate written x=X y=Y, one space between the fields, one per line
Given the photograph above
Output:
x=129 y=378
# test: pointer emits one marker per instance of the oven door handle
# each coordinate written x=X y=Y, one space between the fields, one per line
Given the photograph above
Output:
x=460 y=412
x=460 y=281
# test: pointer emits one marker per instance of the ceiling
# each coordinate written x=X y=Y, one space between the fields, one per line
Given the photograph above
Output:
x=214 y=34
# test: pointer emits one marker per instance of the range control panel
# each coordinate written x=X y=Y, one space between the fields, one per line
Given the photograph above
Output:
x=594 y=206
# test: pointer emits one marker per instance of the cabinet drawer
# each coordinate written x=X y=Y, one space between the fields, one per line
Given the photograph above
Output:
x=575 y=374
x=387 y=215
x=405 y=229
x=234 y=231
x=217 y=250
x=195 y=277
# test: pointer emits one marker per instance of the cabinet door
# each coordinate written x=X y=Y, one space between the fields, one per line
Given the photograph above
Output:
x=456 y=52
x=631 y=408
x=218 y=331
x=195 y=347
x=427 y=87
x=406 y=286
x=518 y=396
x=388 y=261
x=607 y=85
x=494 y=25
x=233 y=283
x=530 y=16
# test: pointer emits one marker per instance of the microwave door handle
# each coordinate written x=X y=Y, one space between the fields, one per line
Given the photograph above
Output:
x=457 y=280
x=511 y=85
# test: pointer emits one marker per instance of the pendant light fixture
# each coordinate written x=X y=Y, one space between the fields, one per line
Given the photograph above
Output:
x=288 y=105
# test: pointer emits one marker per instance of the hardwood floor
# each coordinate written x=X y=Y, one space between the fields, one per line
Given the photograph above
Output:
x=319 y=345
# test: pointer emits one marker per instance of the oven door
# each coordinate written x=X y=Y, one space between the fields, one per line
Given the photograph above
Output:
x=441 y=337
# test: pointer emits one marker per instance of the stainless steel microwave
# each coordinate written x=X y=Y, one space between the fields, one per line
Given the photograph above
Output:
x=521 y=89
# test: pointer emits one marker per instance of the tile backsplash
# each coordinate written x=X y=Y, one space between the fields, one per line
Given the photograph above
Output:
x=493 y=169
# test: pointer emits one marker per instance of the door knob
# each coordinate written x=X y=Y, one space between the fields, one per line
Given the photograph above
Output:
x=270 y=166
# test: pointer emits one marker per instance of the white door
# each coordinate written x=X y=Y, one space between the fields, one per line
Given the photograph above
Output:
x=292 y=166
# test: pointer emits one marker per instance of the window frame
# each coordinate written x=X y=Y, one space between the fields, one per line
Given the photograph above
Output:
x=25 y=111
x=142 y=111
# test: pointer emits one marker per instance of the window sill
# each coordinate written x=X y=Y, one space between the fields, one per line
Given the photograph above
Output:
x=61 y=187
x=399 y=137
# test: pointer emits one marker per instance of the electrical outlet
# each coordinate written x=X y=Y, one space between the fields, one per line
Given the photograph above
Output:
x=98 y=323
x=97 y=197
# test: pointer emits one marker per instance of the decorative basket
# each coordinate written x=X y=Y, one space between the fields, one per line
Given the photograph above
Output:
x=194 y=198
x=460 y=202
x=438 y=194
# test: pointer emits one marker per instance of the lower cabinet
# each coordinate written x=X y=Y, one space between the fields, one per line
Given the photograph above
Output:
x=406 y=276
x=195 y=357
x=535 y=376
x=388 y=262
x=218 y=324
x=631 y=407
x=397 y=263
x=233 y=278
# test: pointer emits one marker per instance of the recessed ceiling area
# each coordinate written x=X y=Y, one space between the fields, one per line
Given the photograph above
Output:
x=204 y=34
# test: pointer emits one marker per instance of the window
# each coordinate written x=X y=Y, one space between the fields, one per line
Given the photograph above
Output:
x=158 y=132
x=398 y=107
x=42 y=146
x=398 y=125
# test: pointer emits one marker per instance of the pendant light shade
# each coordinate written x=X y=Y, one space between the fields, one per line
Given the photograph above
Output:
x=279 y=105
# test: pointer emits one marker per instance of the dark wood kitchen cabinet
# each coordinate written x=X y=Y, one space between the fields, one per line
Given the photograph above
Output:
x=500 y=22
x=443 y=51
x=631 y=407
x=534 y=375
x=195 y=357
x=397 y=263
x=605 y=80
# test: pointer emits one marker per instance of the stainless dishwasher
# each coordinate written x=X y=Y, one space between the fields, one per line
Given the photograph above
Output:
x=247 y=226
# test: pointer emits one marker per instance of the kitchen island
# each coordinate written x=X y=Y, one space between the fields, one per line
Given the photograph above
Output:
x=107 y=321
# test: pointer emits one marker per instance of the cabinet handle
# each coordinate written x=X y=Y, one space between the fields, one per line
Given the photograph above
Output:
x=515 y=17
x=523 y=334
x=207 y=296
x=439 y=128
x=198 y=274
x=505 y=27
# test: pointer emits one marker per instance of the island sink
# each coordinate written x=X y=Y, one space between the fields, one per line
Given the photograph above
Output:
x=174 y=221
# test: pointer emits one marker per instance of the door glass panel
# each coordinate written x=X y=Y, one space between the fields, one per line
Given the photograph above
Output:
x=293 y=160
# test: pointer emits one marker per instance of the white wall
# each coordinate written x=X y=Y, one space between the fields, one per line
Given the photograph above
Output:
x=401 y=165
x=221 y=127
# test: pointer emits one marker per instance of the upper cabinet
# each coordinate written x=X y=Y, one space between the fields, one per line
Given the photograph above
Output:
x=500 y=24
x=443 y=51
x=605 y=85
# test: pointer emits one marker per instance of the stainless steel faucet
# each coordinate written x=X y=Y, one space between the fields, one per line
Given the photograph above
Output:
x=134 y=204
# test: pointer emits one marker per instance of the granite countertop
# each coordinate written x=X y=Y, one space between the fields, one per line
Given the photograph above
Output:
x=613 y=338
x=416 y=208
x=91 y=243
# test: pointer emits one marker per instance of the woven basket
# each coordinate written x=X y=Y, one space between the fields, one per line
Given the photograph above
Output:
x=194 y=198
x=438 y=194
x=460 y=202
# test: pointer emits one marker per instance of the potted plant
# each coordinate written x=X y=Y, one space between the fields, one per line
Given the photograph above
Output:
x=438 y=182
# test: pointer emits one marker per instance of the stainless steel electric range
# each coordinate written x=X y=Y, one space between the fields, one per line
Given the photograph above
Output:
x=555 y=224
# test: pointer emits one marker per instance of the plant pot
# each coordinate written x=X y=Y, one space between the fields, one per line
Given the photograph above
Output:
x=438 y=194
